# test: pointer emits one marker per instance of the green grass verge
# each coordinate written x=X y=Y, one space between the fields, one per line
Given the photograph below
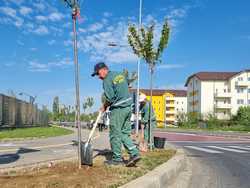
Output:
x=33 y=132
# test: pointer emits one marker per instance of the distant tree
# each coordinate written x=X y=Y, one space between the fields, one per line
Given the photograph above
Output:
x=130 y=77
x=55 y=107
x=90 y=102
x=85 y=106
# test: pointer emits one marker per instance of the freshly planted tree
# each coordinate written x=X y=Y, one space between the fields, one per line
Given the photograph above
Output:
x=142 y=43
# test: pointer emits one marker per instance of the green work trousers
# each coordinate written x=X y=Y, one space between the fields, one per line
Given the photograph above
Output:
x=120 y=130
x=146 y=130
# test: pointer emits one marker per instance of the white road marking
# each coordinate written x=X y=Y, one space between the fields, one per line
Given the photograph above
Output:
x=227 y=149
x=38 y=147
x=203 y=149
x=239 y=147
x=7 y=145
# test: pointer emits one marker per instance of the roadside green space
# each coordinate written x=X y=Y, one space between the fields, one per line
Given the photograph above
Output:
x=67 y=174
x=33 y=132
x=238 y=123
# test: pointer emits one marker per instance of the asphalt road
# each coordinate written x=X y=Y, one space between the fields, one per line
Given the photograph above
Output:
x=217 y=161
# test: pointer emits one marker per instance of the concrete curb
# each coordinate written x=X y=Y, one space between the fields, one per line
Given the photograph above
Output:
x=163 y=175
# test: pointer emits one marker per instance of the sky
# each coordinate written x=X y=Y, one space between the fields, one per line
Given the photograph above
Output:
x=36 y=53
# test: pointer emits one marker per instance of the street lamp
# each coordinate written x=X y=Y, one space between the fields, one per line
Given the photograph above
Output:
x=112 y=44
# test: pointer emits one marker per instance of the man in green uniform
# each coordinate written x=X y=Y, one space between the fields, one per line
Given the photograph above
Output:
x=145 y=120
x=118 y=99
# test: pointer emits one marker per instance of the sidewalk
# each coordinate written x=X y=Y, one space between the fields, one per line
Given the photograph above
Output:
x=29 y=152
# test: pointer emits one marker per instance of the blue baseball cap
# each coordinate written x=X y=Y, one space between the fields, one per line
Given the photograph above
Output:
x=97 y=67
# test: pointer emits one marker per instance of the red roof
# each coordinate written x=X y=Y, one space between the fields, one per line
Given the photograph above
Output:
x=212 y=76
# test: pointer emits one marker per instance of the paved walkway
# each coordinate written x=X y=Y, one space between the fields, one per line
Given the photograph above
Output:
x=27 y=152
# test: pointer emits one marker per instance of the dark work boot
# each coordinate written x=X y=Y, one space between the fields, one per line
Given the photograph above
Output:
x=133 y=160
x=114 y=163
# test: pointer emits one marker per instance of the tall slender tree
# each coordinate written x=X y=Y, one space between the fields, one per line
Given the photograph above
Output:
x=142 y=44
x=56 y=107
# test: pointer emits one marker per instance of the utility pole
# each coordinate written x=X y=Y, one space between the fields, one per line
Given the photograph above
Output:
x=74 y=5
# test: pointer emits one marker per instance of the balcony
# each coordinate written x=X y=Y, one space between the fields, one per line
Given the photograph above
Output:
x=170 y=112
x=241 y=83
x=223 y=106
x=169 y=98
x=169 y=104
x=222 y=95
x=170 y=118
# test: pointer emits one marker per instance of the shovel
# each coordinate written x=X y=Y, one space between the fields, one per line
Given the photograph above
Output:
x=86 y=148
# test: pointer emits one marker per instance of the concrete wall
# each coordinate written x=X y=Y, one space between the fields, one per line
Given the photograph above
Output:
x=17 y=113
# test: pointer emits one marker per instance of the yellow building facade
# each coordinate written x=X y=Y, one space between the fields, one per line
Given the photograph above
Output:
x=164 y=104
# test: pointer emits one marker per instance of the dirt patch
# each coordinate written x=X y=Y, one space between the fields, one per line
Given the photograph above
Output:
x=67 y=174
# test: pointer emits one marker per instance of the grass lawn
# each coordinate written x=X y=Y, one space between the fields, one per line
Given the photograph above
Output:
x=67 y=174
x=33 y=132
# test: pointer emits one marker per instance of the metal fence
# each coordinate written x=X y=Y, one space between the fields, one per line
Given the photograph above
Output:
x=18 y=113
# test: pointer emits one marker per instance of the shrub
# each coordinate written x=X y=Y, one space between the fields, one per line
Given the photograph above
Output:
x=243 y=116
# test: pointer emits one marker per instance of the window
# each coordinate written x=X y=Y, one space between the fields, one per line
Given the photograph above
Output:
x=225 y=90
x=248 y=101
x=240 y=90
x=240 y=78
x=177 y=102
x=182 y=109
x=248 y=78
x=248 y=90
x=225 y=102
x=240 y=101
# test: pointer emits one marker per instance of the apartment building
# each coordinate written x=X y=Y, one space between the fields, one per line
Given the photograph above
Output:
x=218 y=93
x=167 y=104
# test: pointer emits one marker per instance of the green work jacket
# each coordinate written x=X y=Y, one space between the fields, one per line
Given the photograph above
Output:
x=116 y=91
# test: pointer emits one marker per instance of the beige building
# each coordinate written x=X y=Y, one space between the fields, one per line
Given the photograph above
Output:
x=218 y=93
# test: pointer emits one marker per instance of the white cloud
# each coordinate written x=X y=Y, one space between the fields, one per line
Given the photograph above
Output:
x=39 y=6
x=107 y=14
x=8 y=11
x=56 y=16
x=41 y=30
x=25 y=10
x=51 y=42
x=170 y=66
x=33 y=49
x=12 y=17
x=38 y=67
x=95 y=27
x=41 y=18
x=81 y=30
x=35 y=66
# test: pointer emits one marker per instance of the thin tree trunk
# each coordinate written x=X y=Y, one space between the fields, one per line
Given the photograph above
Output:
x=150 y=109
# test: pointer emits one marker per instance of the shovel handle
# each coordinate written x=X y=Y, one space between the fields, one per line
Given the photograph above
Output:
x=94 y=126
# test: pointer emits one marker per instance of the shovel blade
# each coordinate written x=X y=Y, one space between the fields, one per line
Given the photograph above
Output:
x=87 y=154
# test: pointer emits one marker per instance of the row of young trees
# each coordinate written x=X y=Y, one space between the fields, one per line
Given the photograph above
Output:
x=61 y=112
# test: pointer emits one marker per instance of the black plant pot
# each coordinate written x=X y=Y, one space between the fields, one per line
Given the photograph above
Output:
x=159 y=142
